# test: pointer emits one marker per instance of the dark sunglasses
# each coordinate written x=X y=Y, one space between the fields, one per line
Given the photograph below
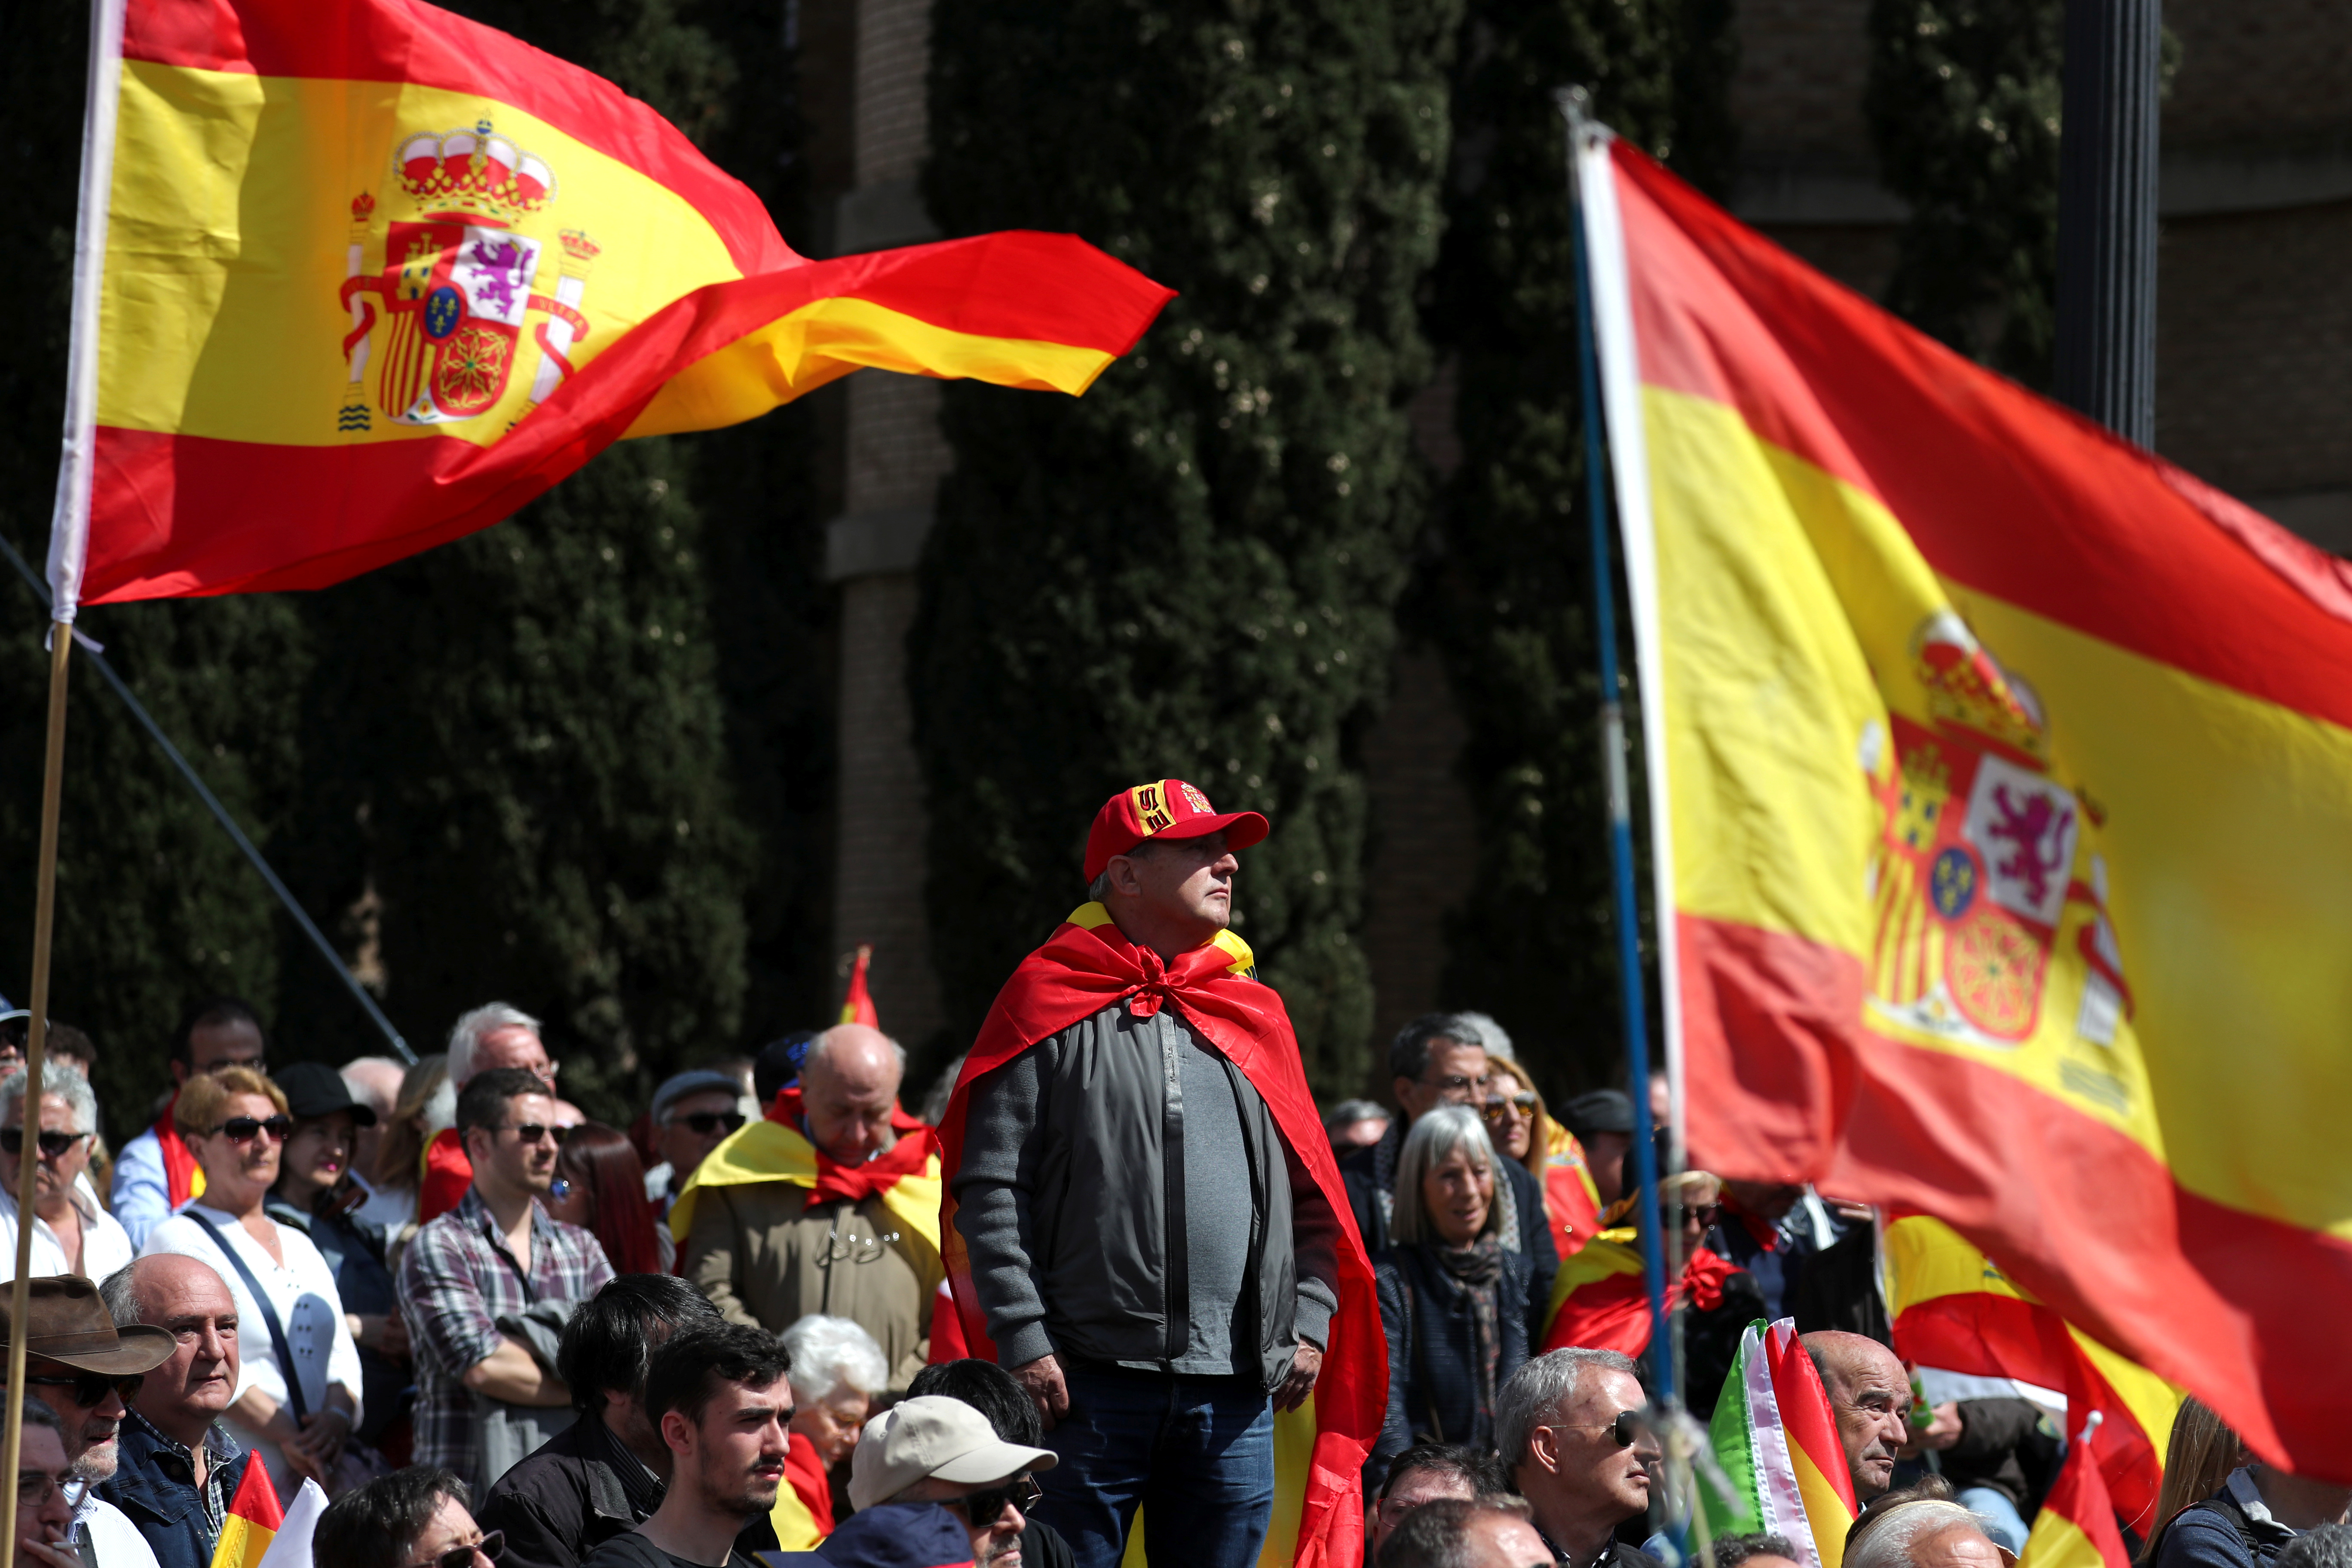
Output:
x=532 y=1131
x=986 y=1508
x=245 y=1128
x=706 y=1122
x=490 y=1546
x=54 y=1145
x=1524 y=1102
x=1703 y=1216
x=90 y=1388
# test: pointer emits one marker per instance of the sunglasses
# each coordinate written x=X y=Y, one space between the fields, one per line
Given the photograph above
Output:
x=1524 y=1102
x=54 y=1145
x=90 y=1388
x=706 y=1122
x=987 y=1507
x=245 y=1128
x=535 y=1132
x=491 y=1546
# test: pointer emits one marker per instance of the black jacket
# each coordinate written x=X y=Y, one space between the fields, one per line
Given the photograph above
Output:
x=565 y=1500
x=2008 y=1444
x=150 y=1486
x=1432 y=1348
x=1370 y=1174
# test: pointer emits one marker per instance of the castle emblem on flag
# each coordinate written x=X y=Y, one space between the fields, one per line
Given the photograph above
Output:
x=455 y=284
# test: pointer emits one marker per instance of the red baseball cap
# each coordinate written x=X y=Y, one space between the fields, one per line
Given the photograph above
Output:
x=1164 y=808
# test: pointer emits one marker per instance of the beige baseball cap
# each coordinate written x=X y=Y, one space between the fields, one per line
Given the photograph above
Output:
x=933 y=1436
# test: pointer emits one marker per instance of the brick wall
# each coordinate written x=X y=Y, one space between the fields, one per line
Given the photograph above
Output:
x=895 y=451
x=2259 y=70
x=893 y=53
x=1797 y=95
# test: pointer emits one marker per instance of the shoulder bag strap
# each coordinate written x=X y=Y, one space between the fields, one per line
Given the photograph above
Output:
x=268 y=1315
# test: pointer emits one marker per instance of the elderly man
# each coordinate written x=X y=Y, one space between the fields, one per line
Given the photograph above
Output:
x=1147 y=1195
x=78 y=1365
x=826 y=1205
x=1569 y=1426
x=374 y=1082
x=156 y=1172
x=1922 y=1533
x=694 y=1112
x=1871 y=1395
x=935 y=1449
x=71 y=1234
x=491 y=1036
x=177 y=1467
x=410 y=1517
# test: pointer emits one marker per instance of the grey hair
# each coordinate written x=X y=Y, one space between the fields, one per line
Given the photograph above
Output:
x=816 y=1051
x=120 y=1291
x=61 y=1079
x=1540 y=1388
x=465 y=1036
x=2321 y=1546
x=1408 y=1052
x=1491 y=1035
x=830 y=1352
x=1889 y=1545
x=1432 y=1141
x=1099 y=890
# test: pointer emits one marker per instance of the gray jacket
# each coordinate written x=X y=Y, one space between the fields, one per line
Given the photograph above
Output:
x=1073 y=1204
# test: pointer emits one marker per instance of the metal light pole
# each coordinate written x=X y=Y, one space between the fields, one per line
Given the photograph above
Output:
x=2107 y=215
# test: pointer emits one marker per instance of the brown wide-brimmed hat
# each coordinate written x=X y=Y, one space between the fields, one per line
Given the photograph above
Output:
x=66 y=1321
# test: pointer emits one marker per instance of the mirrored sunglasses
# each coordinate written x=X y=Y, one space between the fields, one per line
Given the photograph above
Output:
x=1524 y=1102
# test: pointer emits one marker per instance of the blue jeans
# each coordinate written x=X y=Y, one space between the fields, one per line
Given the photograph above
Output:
x=1195 y=1453
x=2001 y=1521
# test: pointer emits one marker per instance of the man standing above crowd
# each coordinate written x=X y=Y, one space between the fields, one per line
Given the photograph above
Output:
x=1570 y=1427
x=1149 y=1200
x=177 y=1469
x=491 y=1036
x=78 y=1362
x=1437 y=1060
x=156 y=1173
x=829 y=1205
x=1871 y=1395
x=495 y=1255
x=694 y=1111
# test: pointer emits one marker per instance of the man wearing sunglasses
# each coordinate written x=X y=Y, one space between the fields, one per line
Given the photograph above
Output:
x=694 y=1112
x=71 y=1233
x=935 y=1449
x=156 y=1172
x=1570 y=1426
x=80 y=1368
x=497 y=1255
x=416 y=1518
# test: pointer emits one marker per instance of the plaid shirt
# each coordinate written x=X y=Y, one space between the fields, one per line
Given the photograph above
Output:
x=457 y=1279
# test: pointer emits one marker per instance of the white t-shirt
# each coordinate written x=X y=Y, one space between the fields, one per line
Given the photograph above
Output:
x=310 y=1309
x=105 y=1245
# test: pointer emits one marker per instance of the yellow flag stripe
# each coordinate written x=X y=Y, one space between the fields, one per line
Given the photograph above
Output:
x=1825 y=1511
x=2057 y=1542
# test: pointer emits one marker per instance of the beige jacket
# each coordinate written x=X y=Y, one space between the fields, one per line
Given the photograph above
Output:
x=767 y=1258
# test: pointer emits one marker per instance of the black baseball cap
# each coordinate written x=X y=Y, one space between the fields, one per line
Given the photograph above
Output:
x=314 y=1089
x=1599 y=1110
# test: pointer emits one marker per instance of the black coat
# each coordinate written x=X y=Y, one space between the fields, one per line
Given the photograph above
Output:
x=1433 y=1349
x=562 y=1502
x=164 y=1505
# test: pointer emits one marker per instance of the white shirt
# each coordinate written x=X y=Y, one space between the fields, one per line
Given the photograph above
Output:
x=310 y=1309
x=114 y=1541
x=105 y=1245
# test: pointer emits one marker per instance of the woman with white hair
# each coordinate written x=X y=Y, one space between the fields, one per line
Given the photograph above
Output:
x=71 y=1233
x=1453 y=1301
x=837 y=1369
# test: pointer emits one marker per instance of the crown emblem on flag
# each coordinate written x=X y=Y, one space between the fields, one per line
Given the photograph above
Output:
x=475 y=173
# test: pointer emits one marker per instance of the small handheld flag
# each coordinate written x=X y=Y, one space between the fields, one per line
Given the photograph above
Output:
x=2076 y=1526
x=857 y=1006
x=253 y=1520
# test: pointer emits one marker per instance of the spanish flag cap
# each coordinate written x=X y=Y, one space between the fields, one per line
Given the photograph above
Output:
x=1164 y=808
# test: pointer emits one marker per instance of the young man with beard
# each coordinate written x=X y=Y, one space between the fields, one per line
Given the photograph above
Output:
x=720 y=1398
x=80 y=1366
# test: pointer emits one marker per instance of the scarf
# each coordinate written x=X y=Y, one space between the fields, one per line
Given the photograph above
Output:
x=183 y=1177
x=1475 y=1272
x=837 y=1182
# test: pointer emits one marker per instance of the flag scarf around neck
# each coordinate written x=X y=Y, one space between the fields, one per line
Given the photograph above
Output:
x=906 y=1176
x=1954 y=1310
x=397 y=273
x=252 y=1520
x=1087 y=965
x=1776 y=1436
x=2076 y=1526
x=183 y=1177
x=1600 y=1297
x=2003 y=831
x=1571 y=1202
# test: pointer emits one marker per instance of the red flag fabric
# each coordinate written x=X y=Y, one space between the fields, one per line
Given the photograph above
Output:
x=447 y=1173
x=182 y=1178
x=2076 y=1526
x=837 y=1182
x=1087 y=965
x=857 y=1006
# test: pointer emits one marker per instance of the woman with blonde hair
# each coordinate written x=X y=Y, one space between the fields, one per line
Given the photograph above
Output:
x=1523 y=1131
x=297 y=1393
x=427 y=1103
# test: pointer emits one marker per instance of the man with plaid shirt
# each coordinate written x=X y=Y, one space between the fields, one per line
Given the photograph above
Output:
x=495 y=1255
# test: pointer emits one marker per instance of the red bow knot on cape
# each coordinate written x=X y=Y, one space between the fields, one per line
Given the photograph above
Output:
x=855 y=1184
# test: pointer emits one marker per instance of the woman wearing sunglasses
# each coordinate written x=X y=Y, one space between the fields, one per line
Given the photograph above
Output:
x=71 y=1233
x=298 y=1392
x=1454 y=1300
x=1525 y=1133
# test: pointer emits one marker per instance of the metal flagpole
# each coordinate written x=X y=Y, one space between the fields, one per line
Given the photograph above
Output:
x=326 y=950
x=1621 y=810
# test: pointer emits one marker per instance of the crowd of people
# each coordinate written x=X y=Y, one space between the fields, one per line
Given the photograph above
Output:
x=491 y=1330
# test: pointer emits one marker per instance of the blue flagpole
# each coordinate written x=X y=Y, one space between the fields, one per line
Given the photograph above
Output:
x=1621 y=808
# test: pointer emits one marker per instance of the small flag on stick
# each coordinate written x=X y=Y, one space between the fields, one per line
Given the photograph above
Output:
x=857 y=1006
x=2076 y=1526
x=254 y=1519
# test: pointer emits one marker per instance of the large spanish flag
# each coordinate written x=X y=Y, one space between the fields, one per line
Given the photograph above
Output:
x=357 y=277
x=2002 y=796
x=1955 y=1309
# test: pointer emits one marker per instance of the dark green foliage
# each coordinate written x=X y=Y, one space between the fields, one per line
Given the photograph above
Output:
x=1190 y=570
x=1507 y=596
x=1963 y=107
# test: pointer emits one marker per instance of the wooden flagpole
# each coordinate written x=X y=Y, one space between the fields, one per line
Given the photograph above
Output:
x=45 y=910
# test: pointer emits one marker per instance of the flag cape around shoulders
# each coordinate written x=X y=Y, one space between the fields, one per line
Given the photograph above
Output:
x=1775 y=1435
x=774 y=1149
x=1571 y=1202
x=1600 y=1297
x=2002 y=831
x=401 y=273
x=252 y=1520
x=1087 y=965
x=802 y=1516
x=444 y=1172
x=2076 y=1526
x=1955 y=1309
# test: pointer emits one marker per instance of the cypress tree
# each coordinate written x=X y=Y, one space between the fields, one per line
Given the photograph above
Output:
x=1507 y=593
x=1191 y=571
